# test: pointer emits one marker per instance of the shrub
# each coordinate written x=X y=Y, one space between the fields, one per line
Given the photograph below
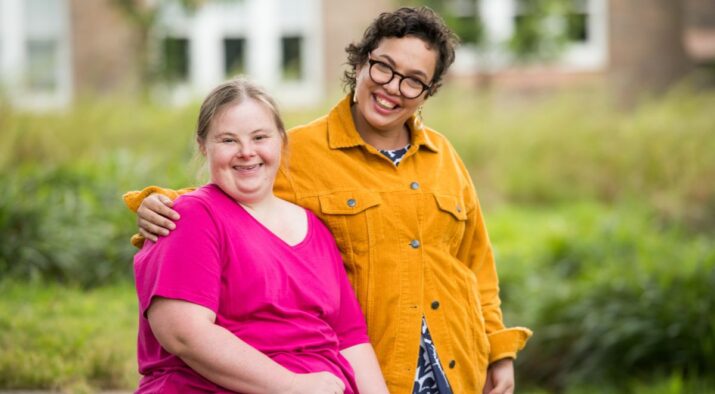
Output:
x=612 y=296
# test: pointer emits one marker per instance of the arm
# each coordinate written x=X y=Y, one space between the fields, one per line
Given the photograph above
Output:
x=367 y=370
x=154 y=214
x=476 y=252
x=188 y=331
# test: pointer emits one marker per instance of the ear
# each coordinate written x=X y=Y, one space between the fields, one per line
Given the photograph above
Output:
x=202 y=146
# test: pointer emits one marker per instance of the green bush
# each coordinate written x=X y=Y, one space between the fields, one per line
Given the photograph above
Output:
x=67 y=340
x=577 y=146
x=611 y=294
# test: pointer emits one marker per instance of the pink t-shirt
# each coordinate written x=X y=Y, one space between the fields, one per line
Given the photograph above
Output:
x=293 y=303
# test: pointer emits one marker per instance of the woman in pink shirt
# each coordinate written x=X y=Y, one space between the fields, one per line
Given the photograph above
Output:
x=249 y=294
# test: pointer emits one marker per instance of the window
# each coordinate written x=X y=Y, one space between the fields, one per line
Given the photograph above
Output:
x=543 y=27
x=577 y=22
x=175 y=64
x=41 y=74
x=44 y=29
x=292 y=65
x=234 y=50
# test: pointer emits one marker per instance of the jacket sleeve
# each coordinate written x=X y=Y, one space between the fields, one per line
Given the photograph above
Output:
x=476 y=252
x=133 y=199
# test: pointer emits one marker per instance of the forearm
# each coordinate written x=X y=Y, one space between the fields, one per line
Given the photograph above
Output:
x=368 y=376
x=226 y=360
x=188 y=331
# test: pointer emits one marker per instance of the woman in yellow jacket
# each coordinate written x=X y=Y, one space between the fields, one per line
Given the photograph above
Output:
x=404 y=211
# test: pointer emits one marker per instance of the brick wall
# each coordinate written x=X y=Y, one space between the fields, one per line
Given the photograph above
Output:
x=104 y=49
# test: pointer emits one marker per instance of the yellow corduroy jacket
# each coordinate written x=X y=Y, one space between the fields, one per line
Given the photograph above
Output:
x=413 y=242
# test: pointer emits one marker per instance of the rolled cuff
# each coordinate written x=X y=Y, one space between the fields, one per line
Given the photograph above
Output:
x=133 y=200
x=506 y=343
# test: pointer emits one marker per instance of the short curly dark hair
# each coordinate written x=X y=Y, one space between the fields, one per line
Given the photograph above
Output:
x=420 y=22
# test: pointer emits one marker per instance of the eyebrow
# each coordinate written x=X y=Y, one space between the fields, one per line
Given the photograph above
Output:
x=409 y=72
x=231 y=133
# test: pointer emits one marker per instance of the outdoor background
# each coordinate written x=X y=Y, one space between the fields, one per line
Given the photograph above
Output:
x=597 y=176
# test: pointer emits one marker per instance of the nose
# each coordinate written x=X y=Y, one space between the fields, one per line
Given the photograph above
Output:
x=393 y=87
x=245 y=149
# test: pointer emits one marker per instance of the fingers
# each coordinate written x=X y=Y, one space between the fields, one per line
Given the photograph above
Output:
x=318 y=383
x=151 y=230
x=154 y=217
x=161 y=205
x=332 y=384
x=147 y=235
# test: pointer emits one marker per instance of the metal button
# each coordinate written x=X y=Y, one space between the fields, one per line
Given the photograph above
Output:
x=452 y=364
x=459 y=209
x=352 y=203
x=435 y=304
x=415 y=243
x=414 y=185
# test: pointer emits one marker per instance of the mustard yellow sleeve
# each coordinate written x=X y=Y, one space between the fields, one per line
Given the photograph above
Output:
x=477 y=253
x=133 y=199
x=507 y=342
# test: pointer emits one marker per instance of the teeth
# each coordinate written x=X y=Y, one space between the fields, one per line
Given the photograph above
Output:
x=384 y=103
x=246 y=167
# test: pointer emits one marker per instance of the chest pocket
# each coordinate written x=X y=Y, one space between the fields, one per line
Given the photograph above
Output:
x=351 y=217
x=451 y=217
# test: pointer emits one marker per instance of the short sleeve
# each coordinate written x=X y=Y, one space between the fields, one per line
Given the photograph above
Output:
x=186 y=264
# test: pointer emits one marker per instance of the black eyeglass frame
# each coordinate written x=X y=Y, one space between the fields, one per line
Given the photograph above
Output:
x=371 y=62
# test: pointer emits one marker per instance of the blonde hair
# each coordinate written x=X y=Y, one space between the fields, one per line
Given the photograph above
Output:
x=235 y=91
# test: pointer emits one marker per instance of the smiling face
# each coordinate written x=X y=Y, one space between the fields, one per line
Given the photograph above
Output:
x=381 y=108
x=243 y=150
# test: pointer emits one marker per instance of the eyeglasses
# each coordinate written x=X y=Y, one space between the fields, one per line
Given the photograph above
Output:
x=382 y=73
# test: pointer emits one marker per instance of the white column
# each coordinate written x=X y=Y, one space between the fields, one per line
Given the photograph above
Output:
x=263 y=42
x=12 y=35
x=313 y=54
x=498 y=19
x=598 y=26
x=205 y=51
x=65 y=82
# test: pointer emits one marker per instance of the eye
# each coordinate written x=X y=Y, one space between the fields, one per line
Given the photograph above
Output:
x=260 y=137
x=383 y=67
x=414 y=82
x=227 y=140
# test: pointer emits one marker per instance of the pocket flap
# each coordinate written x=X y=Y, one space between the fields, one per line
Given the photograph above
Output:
x=452 y=205
x=349 y=202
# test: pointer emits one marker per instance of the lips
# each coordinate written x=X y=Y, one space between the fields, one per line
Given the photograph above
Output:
x=247 y=168
x=384 y=104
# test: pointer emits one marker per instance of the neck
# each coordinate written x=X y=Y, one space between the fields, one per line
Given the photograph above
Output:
x=380 y=139
x=260 y=208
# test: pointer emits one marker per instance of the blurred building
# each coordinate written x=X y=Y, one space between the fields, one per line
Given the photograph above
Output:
x=53 y=52
x=606 y=41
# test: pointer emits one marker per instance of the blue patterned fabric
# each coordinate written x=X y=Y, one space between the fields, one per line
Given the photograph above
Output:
x=396 y=154
x=429 y=376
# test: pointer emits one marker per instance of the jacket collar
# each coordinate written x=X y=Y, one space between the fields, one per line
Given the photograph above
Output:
x=342 y=133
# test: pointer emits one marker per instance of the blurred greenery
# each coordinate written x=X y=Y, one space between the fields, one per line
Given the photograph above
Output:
x=67 y=339
x=601 y=220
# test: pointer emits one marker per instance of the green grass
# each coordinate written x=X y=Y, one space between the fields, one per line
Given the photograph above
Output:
x=60 y=338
